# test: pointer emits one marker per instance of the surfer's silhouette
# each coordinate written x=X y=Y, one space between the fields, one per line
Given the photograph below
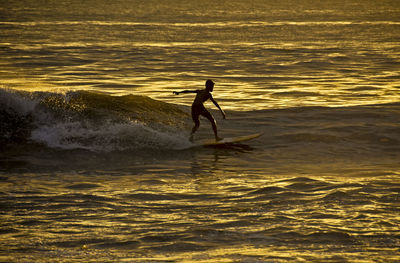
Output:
x=199 y=109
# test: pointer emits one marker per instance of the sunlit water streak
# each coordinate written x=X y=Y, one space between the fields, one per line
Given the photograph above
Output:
x=329 y=57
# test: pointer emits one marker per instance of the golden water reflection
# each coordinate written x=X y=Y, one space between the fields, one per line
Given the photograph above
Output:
x=212 y=216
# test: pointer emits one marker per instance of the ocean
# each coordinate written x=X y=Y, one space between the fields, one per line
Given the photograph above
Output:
x=95 y=161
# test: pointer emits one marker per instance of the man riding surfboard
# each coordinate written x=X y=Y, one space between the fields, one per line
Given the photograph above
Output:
x=199 y=109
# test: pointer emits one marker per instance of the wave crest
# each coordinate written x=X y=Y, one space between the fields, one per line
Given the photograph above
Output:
x=92 y=121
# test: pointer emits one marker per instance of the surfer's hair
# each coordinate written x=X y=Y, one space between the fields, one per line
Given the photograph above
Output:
x=209 y=83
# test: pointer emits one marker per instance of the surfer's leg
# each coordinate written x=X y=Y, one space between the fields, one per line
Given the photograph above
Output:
x=194 y=129
x=213 y=124
x=195 y=118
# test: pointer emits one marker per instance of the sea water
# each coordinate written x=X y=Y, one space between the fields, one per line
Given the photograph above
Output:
x=91 y=136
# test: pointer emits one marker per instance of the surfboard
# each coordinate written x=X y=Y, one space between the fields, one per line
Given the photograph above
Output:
x=211 y=142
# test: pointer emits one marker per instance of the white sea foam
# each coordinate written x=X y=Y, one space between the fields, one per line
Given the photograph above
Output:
x=108 y=137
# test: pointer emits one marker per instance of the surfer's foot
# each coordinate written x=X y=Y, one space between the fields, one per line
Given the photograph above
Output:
x=218 y=139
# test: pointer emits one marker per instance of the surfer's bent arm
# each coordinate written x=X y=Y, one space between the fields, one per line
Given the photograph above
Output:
x=216 y=105
x=184 y=91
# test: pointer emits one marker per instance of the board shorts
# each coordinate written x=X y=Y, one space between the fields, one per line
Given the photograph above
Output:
x=199 y=109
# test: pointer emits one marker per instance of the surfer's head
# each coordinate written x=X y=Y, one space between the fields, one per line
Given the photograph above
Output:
x=209 y=85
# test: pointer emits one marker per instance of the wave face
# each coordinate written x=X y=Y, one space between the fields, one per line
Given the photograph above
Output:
x=88 y=120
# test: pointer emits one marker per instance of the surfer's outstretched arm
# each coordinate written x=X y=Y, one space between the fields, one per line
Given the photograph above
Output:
x=216 y=105
x=184 y=91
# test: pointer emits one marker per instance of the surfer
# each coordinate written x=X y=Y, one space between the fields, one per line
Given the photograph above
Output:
x=199 y=109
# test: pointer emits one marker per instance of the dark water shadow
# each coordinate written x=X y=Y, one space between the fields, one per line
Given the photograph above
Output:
x=234 y=147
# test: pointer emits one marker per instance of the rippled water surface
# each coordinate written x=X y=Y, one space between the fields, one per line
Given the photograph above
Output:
x=203 y=211
x=95 y=162
x=260 y=54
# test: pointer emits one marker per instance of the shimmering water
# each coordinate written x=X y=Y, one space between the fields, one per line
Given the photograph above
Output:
x=91 y=166
x=260 y=54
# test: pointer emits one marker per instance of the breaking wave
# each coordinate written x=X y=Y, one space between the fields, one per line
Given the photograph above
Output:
x=91 y=121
